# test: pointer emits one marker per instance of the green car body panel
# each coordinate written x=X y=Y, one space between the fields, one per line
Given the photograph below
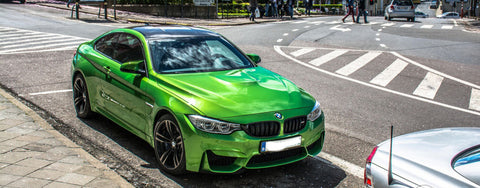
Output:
x=135 y=100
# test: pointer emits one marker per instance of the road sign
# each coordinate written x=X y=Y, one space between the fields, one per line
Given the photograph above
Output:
x=203 y=2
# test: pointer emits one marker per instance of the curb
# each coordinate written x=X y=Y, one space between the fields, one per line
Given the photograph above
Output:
x=92 y=160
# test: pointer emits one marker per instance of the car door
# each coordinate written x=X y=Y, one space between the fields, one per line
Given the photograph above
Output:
x=124 y=94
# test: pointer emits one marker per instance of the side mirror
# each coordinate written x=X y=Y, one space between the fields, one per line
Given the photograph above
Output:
x=255 y=58
x=133 y=67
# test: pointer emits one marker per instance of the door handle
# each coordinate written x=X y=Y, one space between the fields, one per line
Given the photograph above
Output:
x=107 y=69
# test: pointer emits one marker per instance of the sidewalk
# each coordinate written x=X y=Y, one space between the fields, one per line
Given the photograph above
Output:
x=33 y=154
x=124 y=16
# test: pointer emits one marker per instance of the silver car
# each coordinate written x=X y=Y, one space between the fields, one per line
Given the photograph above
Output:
x=446 y=157
x=400 y=9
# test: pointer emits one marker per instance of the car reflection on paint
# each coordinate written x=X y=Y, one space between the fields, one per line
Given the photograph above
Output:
x=445 y=157
x=201 y=103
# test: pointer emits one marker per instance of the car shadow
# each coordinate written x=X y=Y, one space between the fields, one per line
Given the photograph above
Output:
x=310 y=172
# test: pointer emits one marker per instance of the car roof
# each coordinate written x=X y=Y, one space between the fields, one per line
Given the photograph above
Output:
x=151 y=32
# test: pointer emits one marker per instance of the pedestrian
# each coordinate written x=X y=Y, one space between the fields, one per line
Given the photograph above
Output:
x=290 y=4
x=281 y=7
x=253 y=7
x=350 y=11
x=267 y=7
x=362 y=10
x=308 y=6
x=275 y=8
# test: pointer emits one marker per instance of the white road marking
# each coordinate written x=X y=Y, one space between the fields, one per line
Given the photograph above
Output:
x=447 y=27
x=344 y=165
x=29 y=39
x=294 y=30
x=388 y=24
x=19 y=34
x=279 y=40
x=51 y=92
x=337 y=27
x=327 y=57
x=377 y=39
x=475 y=100
x=75 y=43
x=317 y=22
x=429 y=86
x=378 y=34
x=358 y=63
x=389 y=73
x=64 y=39
x=426 y=26
x=455 y=23
x=279 y=51
x=302 y=51
x=383 y=45
x=379 y=30
x=306 y=27
x=285 y=34
x=333 y=22
x=407 y=25
x=297 y=22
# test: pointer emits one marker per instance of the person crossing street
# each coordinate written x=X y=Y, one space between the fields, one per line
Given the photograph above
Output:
x=350 y=11
x=362 y=10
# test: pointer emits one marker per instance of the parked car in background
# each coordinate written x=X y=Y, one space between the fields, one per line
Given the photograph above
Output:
x=433 y=5
x=452 y=15
x=400 y=9
x=421 y=15
x=199 y=101
x=445 y=157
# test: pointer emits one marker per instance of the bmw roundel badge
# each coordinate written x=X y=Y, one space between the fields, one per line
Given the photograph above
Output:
x=278 y=115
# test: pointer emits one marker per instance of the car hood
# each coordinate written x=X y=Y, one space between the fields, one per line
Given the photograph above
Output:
x=237 y=92
x=425 y=157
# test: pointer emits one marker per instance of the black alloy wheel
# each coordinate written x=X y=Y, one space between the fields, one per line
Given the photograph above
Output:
x=81 y=100
x=169 y=146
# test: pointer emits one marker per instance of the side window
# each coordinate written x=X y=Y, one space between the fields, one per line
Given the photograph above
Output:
x=128 y=48
x=105 y=44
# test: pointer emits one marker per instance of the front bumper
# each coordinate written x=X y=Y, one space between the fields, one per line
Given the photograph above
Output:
x=230 y=153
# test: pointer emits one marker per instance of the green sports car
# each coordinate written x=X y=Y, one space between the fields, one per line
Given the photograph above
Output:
x=200 y=102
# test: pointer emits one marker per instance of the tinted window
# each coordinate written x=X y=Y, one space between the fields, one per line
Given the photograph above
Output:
x=403 y=2
x=195 y=54
x=121 y=47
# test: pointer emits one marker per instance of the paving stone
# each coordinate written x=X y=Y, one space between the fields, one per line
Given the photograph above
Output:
x=19 y=130
x=51 y=156
x=3 y=165
x=29 y=182
x=8 y=178
x=63 y=185
x=29 y=138
x=77 y=179
x=101 y=182
x=12 y=157
x=17 y=170
x=30 y=125
x=9 y=123
x=62 y=150
x=47 y=174
x=64 y=167
x=7 y=135
x=74 y=160
x=89 y=170
x=37 y=147
x=32 y=162
x=4 y=149
x=14 y=142
x=51 y=141
x=41 y=133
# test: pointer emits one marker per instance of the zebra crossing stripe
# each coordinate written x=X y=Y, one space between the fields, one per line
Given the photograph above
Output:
x=429 y=86
x=358 y=63
x=30 y=39
x=426 y=26
x=475 y=100
x=327 y=57
x=302 y=51
x=63 y=39
x=389 y=73
x=447 y=27
x=74 y=43
x=407 y=25
x=388 y=24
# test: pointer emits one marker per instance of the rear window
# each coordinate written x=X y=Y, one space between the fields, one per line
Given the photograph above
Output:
x=468 y=165
x=403 y=2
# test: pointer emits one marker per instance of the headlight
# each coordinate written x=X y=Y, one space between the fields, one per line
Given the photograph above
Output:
x=315 y=113
x=212 y=125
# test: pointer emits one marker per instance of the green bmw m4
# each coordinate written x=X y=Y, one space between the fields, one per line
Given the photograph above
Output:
x=199 y=101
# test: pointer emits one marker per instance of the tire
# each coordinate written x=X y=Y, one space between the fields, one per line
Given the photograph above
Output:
x=81 y=100
x=169 y=146
x=413 y=19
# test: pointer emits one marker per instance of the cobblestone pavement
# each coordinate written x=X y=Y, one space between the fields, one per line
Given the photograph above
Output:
x=33 y=154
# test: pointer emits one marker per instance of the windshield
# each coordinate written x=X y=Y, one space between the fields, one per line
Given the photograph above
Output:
x=195 y=54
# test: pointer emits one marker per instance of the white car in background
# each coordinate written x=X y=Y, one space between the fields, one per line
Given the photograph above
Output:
x=453 y=15
x=445 y=157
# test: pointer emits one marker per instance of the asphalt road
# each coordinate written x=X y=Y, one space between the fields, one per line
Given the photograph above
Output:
x=320 y=55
